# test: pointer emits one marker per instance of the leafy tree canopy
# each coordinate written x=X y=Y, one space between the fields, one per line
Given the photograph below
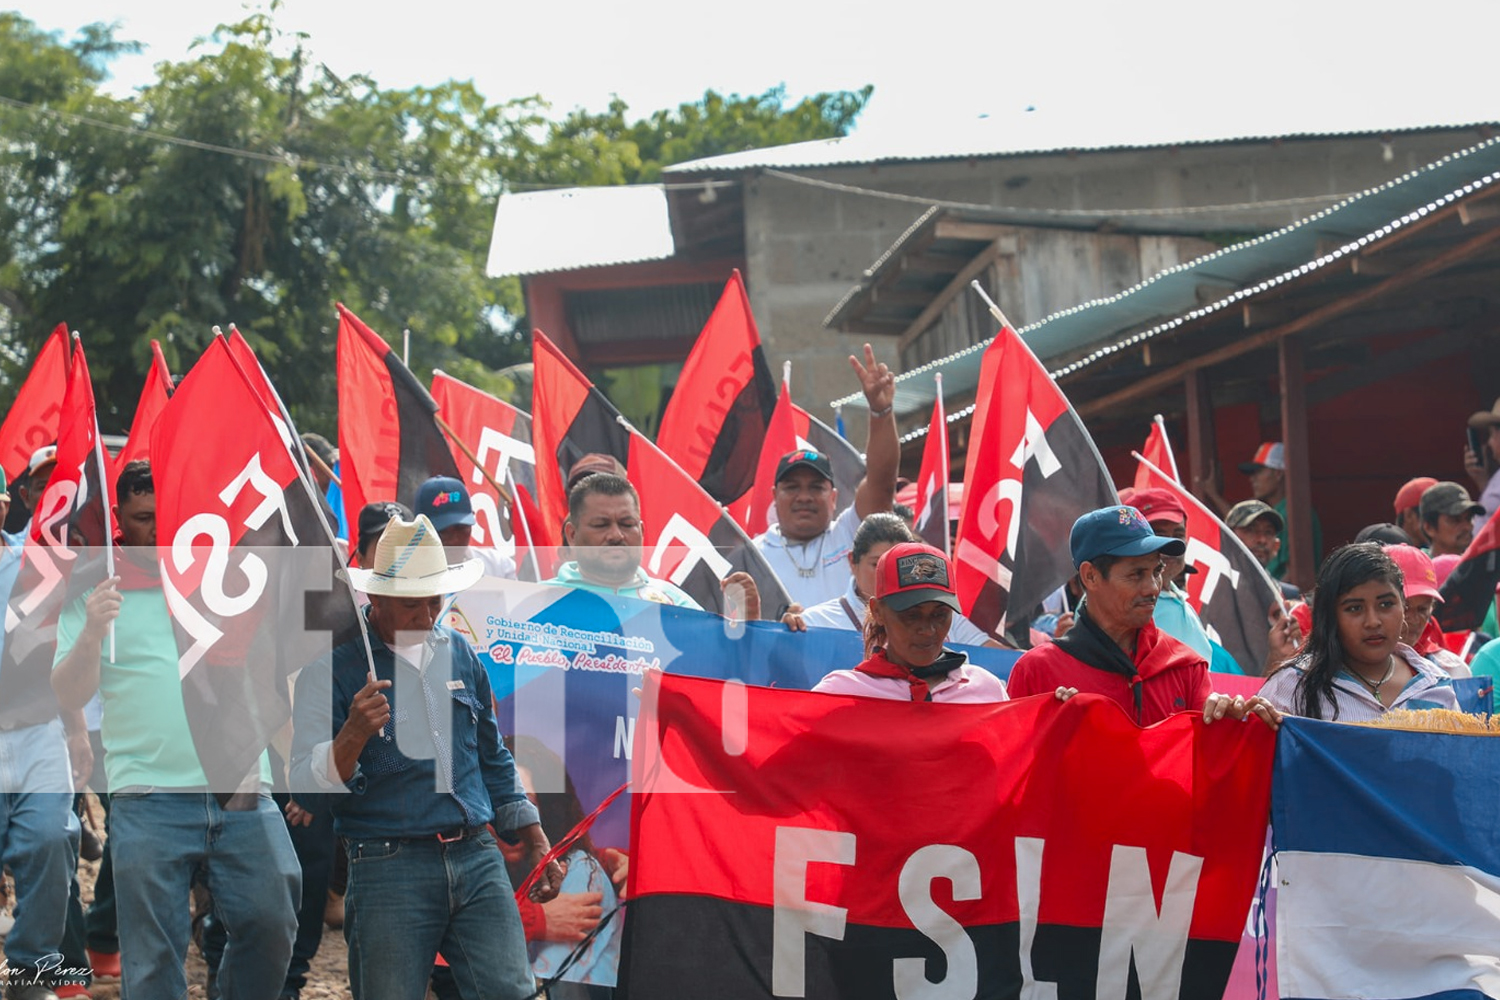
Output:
x=246 y=185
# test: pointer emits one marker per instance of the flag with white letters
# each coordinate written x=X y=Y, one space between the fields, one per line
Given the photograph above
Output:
x=1232 y=592
x=246 y=565
x=1032 y=470
x=1029 y=848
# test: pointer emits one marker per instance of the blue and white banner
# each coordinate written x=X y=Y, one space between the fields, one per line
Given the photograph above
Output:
x=1389 y=863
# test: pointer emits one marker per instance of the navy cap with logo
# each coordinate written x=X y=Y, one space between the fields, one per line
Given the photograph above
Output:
x=1118 y=531
x=913 y=573
x=373 y=517
x=445 y=502
x=804 y=458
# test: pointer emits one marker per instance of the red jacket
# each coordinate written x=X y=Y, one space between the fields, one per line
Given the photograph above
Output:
x=1172 y=677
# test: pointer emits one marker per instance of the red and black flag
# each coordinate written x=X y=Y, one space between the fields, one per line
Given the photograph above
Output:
x=499 y=435
x=753 y=510
x=1157 y=451
x=1231 y=591
x=813 y=856
x=932 y=481
x=717 y=417
x=154 y=396
x=1469 y=591
x=66 y=545
x=689 y=539
x=1032 y=471
x=844 y=459
x=246 y=565
x=34 y=417
x=389 y=443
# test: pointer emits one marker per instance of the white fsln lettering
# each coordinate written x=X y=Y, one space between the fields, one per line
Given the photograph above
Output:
x=204 y=632
x=1035 y=445
x=1215 y=567
x=1029 y=901
x=961 y=868
x=927 y=489
x=794 y=916
x=505 y=448
x=978 y=554
x=216 y=530
x=624 y=736
x=491 y=524
x=273 y=500
x=58 y=503
x=681 y=531
x=1132 y=924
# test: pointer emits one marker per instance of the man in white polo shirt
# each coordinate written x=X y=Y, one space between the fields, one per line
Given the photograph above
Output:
x=808 y=547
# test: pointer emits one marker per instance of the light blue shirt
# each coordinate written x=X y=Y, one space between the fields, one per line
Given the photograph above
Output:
x=1176 y=617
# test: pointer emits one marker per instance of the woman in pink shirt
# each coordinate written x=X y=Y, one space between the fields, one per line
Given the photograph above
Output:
x=905 y=628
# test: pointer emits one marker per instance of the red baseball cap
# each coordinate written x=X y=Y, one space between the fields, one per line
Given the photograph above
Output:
x=1410 y=495
x=913 y=573
x=1417 y=569
x=1157 y=504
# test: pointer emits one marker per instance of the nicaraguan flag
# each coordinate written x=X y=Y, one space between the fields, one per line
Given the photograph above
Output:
x=1389 y=863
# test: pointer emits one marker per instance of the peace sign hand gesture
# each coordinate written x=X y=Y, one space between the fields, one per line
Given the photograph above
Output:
x=876 y=381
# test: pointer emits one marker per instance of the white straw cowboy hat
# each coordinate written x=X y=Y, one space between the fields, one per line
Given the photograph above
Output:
x=410 y=562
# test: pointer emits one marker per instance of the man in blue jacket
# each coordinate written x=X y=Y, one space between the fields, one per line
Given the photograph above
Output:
x=409 y=731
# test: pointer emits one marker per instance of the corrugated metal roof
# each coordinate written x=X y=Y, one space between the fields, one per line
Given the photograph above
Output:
x=573 y=228
x=1026 y=135
x=1170 y=299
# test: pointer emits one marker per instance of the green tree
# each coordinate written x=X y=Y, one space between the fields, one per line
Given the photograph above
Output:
x=246 y=186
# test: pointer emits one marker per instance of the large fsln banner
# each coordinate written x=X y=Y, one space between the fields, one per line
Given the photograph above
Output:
x=790 y=844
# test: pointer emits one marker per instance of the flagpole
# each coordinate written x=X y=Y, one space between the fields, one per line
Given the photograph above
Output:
x=517 y=514
x=1265 y=576
x=453 y=436
x=786 y=376
x=406 y=347
x=1166 y=443
x=109 y=534
x=990 y=304
x=937 y=379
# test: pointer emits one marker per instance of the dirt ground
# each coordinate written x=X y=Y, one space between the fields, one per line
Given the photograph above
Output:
x=327 y=980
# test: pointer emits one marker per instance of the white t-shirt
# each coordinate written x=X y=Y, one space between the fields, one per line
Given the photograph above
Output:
x=815 y=571
x=831 y=614
x=495 y=562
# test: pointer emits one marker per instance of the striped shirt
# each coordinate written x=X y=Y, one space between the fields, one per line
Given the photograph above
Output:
x=1431 y=687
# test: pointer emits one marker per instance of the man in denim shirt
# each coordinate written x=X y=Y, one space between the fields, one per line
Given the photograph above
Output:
x=414 y=742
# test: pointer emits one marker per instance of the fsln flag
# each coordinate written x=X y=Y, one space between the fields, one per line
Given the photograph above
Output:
x=389 y=442
x=1032 y=471
x=74 y=505
x=499 y=435
x=932 y=480
x=847 y=463
x=246 y=565
x=154 y=395
x=33 y=419
x=1388 y=867
x=689 y=539
x=1469 y=591
x=717 y=417
x=1158 y=451
x=71 y=516
x=1232 y=592
x=763 y=819
x=753 y=510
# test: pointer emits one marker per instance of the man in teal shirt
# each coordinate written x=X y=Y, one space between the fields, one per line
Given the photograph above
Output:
x=164 y=823
x=604 y=535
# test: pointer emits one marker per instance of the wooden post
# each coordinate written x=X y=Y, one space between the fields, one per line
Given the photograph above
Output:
x=1202 y=442
x=1301 y=560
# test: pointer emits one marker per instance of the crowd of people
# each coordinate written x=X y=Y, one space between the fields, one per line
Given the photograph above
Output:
x=430 y=827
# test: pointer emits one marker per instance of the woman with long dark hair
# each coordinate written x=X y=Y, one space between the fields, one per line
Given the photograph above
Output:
x=1357 y=663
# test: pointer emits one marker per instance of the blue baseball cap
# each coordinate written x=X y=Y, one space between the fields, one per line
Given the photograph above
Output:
x=445 y=502
x=1118 y=531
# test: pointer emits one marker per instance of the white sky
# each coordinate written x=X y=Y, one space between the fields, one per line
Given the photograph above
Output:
x=1157 y=69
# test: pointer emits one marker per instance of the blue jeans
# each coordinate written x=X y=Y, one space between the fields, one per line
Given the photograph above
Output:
x=410 y=899
x=159 y=839
x=38 y=840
